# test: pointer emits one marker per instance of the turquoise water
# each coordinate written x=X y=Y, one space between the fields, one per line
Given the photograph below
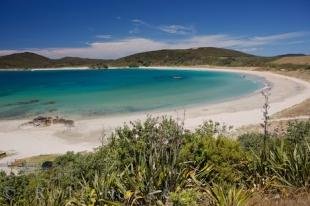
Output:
x=85 y=93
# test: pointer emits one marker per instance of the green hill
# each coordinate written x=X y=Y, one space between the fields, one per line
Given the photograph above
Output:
x=198 y=56
x=169 y=57
x=297 y=60
x=24 y=60
x=32 y=60
x=77 y=61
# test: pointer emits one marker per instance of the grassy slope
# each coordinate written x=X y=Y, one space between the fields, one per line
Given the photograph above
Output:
x=301 y=109
x=190 y=57
x=293 y=60
x=181 y=56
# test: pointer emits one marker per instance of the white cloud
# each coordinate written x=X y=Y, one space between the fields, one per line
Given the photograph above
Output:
x=127 y=46
x=138 y=21
x=223 y=40
x=104 y=36
x=283 y=36
x=137 y=26
x=250 y=49
x=171 y=29
x=135 y=30
x=107 y=50
x=176 y=29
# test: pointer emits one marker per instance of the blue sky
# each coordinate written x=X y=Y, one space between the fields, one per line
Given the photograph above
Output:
x=115 y=28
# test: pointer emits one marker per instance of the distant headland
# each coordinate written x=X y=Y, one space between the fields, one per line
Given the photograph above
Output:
x=168 y=57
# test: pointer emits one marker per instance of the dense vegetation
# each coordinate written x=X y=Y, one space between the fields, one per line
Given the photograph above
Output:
x=172 y=57
x=158 y=162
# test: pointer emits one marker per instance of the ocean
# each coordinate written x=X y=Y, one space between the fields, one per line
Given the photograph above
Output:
x=88 y=93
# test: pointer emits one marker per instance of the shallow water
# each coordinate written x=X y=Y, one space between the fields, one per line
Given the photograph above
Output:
x=85 y=93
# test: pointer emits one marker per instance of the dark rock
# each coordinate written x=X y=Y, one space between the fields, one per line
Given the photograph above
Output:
x=49 y=102
x=47 y=165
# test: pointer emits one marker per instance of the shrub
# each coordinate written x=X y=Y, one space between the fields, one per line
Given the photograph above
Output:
x=151 y=162
x=291 y=168
x=185 y=197
x=298 y=132
x=223 y=153
x=251 y=141
x=229 y=196
x=288 y=160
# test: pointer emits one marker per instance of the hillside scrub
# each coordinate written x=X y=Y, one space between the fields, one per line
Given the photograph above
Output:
x=158 y=162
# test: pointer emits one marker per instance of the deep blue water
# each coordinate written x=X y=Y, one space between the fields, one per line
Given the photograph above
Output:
x=106 y=92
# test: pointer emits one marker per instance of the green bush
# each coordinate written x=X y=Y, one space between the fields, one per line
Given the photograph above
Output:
x=225 y=154
x=288 y=160
x=231 y=195
x=156 y=162
x=185 y=197
x=251 y=141
x=298 y=132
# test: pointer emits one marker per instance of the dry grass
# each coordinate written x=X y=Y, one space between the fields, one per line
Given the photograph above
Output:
x=302 y=109
x=39 y=159
x=300 y=74
x=274 y=127
x=277 y=127
x=293 y=60
x=302 y=199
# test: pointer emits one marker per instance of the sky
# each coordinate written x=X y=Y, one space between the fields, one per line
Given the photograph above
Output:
x=111 y=29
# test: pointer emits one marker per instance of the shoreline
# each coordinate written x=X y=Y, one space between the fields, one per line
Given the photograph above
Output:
x=43 y=69
x=285 y=92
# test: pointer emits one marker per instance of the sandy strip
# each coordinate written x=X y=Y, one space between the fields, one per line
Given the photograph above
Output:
x=87 y=134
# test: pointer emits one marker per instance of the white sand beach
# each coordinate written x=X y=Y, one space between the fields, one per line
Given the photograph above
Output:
x=87 y=133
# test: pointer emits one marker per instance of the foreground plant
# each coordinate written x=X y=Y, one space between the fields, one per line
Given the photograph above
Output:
x=230 y=196
x=157 y=162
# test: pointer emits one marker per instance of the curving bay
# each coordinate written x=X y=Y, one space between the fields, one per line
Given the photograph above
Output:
x=85 y=93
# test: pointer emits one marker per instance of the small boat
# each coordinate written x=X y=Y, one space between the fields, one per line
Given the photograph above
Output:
x=177 y=77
